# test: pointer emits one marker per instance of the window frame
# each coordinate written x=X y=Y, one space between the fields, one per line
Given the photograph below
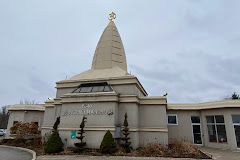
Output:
x=215 y=124
x=176 y=119
x=235 y=123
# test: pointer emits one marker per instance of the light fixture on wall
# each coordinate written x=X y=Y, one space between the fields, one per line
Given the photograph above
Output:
x=165 y=94
x=26 y=111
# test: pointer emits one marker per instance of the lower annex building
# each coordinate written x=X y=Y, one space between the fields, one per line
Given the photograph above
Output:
x=107 y=91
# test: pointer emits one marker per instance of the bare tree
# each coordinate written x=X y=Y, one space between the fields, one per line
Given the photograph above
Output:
x=26 y=101
x=4 y=115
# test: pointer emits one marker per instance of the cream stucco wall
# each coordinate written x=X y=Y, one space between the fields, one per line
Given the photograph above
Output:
x=49 y=116
x=183 y=130
x=62 y=91
x=34 y=116
x=152 y=116
x=58 y=110
x=24 y=116
x=153 y=136
x=129 y=89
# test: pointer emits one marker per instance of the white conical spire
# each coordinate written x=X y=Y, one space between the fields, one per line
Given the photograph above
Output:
x=109 y=52
x=109 y=59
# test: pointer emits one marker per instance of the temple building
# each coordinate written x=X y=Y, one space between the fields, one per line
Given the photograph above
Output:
x=107 y=91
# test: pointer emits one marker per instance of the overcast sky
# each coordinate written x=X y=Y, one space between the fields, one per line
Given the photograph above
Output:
x=187 y=48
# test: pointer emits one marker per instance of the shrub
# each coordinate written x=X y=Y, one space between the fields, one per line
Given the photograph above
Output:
x=55 y=126
x=108 y=144
x=154 y=149
x=54 y=143
x=183 y=147
x=176 y=148
x=28 y=142
x=126 y=133
x=24 y=130
x=80 y=146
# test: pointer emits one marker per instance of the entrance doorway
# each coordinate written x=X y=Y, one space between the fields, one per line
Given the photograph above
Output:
x=196 y=130
x=237 y=135
x=236 y=127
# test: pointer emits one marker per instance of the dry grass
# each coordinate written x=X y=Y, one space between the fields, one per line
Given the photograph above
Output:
x=176 y=149
x=154 y=150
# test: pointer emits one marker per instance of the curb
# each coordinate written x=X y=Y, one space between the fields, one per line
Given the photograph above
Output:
x=24 y=149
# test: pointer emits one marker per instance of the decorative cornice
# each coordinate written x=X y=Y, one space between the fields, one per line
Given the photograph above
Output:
x=57 y=101
x=19 y=107
x=89 y=97
x=49 y=104
x=94 y=80
x=153 y=129
x=128 y=99
x=111 y=128
x=154 y=100
x=206 y=105
x=110 y=97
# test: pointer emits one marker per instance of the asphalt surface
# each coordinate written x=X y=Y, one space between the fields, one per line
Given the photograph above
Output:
x=14 y=154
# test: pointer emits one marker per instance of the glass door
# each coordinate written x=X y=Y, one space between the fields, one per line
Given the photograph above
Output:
x=196 y=129
x=236 y=127
x=237 y=135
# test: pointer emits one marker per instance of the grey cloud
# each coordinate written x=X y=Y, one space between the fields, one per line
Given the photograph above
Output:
x=192 y=77
x=187 y=48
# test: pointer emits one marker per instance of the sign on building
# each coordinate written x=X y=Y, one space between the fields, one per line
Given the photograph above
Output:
x=73 y=134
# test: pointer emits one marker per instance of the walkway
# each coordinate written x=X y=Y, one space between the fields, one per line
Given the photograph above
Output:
x=221 y=154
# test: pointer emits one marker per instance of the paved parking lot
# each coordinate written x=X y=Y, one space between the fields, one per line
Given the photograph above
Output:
x=14 y=154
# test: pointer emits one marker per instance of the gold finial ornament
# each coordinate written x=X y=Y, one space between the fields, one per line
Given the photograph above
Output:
x=112 y=16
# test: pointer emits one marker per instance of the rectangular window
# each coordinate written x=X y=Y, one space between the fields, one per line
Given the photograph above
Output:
x=216 y=129
x=195 y=119
x=14 y=122
x=212 y=133
x=172 y=119
x=236 y=118
x=86 y=89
